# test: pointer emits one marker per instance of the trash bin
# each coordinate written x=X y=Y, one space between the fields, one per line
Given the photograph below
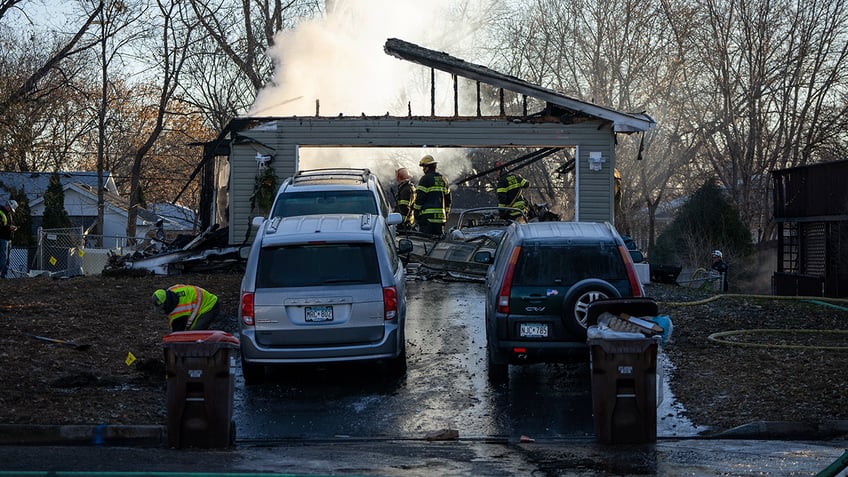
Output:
x=200 y=388
x=624 y=377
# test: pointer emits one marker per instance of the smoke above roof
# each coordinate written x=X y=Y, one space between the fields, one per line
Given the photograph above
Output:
x=335 y=65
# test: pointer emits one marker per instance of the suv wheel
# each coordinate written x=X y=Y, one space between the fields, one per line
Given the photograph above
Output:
x=575 y=305
x=497 y=369
x=253 y=373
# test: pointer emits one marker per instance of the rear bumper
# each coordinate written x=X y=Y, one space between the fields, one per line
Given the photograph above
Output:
x=387 y=348
x=526 y=352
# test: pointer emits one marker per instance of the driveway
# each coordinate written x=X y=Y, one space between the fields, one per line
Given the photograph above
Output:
x=445 y=387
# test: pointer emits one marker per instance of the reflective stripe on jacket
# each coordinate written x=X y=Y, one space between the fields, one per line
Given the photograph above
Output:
x=432 y=198
x=193 y=302
x=406 y=201
x=509 y=192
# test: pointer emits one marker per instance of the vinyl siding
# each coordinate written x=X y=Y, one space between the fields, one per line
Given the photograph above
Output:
x=283 y=136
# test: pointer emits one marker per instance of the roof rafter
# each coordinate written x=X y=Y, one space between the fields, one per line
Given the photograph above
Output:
x=622 y=122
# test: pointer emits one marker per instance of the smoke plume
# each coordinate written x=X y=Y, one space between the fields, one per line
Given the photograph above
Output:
x=335 y=65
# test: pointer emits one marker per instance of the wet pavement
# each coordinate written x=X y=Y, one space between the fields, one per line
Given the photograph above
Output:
x=446 y=386
x=351 y=420
x=412 y=458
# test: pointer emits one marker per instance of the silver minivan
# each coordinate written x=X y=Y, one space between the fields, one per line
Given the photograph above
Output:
x=322 y=288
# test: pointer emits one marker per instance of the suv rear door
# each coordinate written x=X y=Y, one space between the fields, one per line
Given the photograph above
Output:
x=318 y=294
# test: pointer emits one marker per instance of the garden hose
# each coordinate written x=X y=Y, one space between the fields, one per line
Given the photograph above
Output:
x=717 y=338
x=823 y=301
x=812 y=299
x=836 y=467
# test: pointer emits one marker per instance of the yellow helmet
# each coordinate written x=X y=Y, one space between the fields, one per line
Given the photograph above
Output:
x=426 y=161
x=159 y=297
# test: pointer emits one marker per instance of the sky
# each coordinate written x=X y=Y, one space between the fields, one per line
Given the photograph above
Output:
x=338 y=60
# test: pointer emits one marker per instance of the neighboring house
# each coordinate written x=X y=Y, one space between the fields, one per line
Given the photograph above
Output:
x=81 y=206
x=811 y=211
x=178 y=219
x=80 y=196
x=35 y=183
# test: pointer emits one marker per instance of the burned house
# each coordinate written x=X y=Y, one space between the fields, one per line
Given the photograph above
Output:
x=811 y=211
x=587 y=130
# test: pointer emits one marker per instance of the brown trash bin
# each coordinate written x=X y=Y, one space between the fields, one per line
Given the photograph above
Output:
x=624 y=389
x=200 y=388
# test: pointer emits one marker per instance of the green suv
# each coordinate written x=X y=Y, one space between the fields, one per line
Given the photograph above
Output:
x=540 y=282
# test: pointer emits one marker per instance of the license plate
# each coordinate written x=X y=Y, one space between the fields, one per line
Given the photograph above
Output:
x=533 y=330
x=319 y=313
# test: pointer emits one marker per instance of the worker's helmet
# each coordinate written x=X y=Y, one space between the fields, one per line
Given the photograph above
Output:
x=403 y=174
x=716 y=253
x=426 y=161
x=499 y=165
x=159 y=297
x=13 y=204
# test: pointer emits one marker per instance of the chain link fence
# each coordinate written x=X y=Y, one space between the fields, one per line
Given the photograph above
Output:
x=66 y=252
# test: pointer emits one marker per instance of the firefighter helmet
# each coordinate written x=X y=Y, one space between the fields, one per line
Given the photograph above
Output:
x=426 y=161
x=159 y=297
x=13 y=204
x=716 y=253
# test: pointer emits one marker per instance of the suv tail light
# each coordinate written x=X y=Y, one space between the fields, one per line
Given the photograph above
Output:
x=506 y=286
x=390 y=303
x=632 y=276
x=247 y=308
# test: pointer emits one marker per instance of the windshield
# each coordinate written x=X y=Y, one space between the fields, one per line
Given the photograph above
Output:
x=325 y=202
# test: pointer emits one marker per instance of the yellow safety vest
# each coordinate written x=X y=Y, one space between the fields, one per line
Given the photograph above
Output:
x=192 y=302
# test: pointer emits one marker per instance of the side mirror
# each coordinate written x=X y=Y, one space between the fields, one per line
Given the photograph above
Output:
x=394 y=218
x=637 y=256
x=244 y=252
x=404 y=245
x=257 y=222
x=484 y=257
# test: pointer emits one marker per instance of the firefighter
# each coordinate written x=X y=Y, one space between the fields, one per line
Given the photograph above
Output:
x=509 y=189
x=720 y=267
x=7 y=228
x=405 y=198
x=188 y=307
x=432 y=199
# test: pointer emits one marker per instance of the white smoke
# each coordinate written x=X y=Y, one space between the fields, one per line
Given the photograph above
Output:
x=336 y=65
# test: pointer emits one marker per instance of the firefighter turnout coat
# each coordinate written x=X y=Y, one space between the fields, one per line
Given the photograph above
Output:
x=432 y=198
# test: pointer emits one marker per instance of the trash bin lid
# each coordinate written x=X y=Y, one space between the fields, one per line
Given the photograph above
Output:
x=206 y=336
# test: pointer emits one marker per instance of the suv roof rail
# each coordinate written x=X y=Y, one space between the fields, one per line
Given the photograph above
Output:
x=330 y=174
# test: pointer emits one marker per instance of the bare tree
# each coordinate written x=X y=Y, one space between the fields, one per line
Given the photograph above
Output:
x=770 y=91
x=114 y=19
x=172 y=51
x=620 y=54
x=228 y=68
x=73 y=46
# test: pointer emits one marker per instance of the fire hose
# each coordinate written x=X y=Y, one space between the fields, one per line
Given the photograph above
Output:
x=719 y=336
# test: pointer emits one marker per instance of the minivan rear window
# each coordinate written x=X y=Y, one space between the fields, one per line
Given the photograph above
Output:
x=317 y=264
x=546 y=264
x=325 y=202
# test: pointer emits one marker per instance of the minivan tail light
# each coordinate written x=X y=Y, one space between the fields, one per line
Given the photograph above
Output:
x=632 y=276
x=506 y=286
x=390 y=303
x=247 y=308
